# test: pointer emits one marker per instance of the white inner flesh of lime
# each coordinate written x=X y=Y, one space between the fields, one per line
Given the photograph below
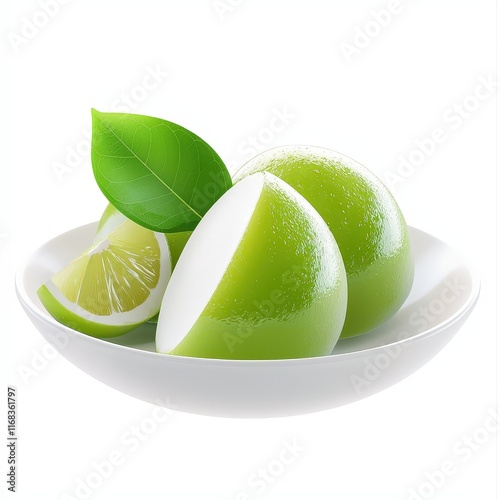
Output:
x=204 y=261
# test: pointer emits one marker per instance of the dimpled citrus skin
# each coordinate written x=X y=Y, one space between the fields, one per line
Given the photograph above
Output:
x=284 y=292
x=364 y=218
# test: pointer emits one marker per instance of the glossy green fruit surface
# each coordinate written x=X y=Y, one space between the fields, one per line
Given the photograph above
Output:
x=260 y=278
x=364 y=218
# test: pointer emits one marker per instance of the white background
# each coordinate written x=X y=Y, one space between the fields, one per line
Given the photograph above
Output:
x=229 y=70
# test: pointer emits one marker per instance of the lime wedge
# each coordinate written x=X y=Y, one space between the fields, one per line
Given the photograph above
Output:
x=116 y=284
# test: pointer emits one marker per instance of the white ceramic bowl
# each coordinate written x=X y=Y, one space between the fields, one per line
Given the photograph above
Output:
x=444 y=293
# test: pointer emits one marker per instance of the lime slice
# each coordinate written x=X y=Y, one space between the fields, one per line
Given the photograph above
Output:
x=116 y=284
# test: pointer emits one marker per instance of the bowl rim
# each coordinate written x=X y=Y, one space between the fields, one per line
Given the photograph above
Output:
x=45 y=317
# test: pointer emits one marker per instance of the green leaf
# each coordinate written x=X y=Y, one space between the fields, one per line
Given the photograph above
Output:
x=155 y=172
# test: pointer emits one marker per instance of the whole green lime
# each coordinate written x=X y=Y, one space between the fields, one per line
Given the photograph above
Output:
x=365 y=220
